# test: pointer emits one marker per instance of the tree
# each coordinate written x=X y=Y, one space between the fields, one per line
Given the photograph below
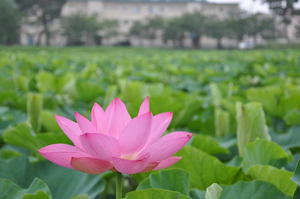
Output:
x=106 y=29
x=260 y=25
x=148 y=29
x=269 y=30
x=217 y=29
x=195 y=24
x=9 y=20
x=138 y=30
x=285 y=9
x=80 y=29
x=152 y=27
x=109 y=28
x=174 y=31
x=46 y=11
x=298 y=31
x=237 y=26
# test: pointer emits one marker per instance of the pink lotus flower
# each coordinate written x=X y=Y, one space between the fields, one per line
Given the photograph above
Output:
x=114 y=141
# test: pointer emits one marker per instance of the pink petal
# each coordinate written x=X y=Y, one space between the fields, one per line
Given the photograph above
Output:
x=145 y=107
x=70 y=128
x=100 y=145
x=130 y=166
x=90 y=165
x=160 y=124
x=117 y=117
x=85 y=125
x=99 y=119
x=167 y=162
x=135 y=134
x=61 y=154
x=151 y=166
x=167 y=146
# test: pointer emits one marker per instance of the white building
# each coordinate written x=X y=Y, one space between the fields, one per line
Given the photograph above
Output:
x=129 y=11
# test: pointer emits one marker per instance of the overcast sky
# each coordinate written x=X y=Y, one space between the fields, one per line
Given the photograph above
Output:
x=249 y=5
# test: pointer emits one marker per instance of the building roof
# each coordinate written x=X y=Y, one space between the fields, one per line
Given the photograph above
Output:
x=164 y=1
x=150 y=1
x=158 y=0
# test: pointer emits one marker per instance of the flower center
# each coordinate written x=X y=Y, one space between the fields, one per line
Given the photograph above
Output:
x=132 y=156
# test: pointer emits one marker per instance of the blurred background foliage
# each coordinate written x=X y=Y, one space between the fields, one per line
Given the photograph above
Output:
x=83 y=29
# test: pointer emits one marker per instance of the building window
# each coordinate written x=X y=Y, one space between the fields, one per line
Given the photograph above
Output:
x=151 y=9
x=137 y=9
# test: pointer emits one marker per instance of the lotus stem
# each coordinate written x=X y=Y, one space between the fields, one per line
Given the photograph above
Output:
x=119 y=186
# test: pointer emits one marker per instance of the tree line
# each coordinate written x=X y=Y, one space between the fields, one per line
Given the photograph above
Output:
x=194 y=26
x=80 y=29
